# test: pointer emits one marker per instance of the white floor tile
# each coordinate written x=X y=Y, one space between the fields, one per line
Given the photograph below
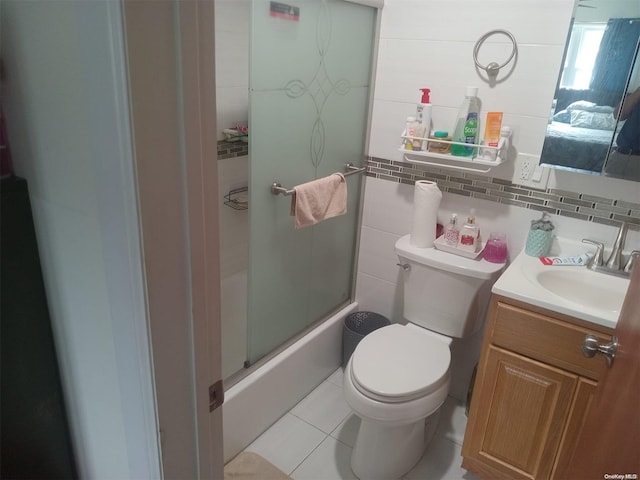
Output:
x=336 y=377
x=287 y=442
x=330 y=461
x=453 y=420
x=347 y=431
x=440 y=462
x=324 y=408
x=298 y=443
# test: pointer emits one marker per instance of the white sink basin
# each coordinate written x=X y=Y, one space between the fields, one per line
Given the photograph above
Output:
x=573 y=290
x=596 y=291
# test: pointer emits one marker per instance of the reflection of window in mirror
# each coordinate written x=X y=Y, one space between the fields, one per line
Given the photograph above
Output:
x=581 y=54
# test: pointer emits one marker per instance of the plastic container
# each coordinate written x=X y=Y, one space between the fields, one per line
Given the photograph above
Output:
x=410 y=131
x=438 y=147
x=423 y=113
x=356 y=326
x=467 y=125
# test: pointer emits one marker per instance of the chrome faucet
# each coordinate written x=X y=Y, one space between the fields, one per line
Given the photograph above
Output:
x=613 y=265
x=616 y=252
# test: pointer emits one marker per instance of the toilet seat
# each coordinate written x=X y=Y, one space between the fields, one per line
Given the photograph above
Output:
x=397 y=364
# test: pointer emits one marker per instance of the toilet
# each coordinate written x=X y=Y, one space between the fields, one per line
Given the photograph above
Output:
x=399 y=375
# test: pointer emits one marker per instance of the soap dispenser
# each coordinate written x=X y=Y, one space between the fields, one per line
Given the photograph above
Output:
x=470 y=234
x=451 y=231
x=423 y=113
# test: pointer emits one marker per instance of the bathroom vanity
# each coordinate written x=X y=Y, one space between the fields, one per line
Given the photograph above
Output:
x=533 y=388
x=534 y=385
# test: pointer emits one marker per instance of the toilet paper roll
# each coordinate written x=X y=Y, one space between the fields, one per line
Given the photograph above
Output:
x=426 y=201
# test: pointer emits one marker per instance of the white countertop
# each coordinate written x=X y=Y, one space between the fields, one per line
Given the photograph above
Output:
x=603 y=293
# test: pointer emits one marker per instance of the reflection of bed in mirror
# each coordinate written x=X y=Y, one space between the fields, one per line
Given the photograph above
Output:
x=582 y=129
x=576 y=147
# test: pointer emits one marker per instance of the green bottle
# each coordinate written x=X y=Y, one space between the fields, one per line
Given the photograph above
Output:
x=467 y=125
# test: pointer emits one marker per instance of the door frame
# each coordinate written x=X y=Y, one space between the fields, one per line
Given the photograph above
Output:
x=197 y=52
x=171 y=67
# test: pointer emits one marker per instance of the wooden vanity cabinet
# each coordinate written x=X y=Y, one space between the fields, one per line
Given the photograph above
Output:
x=532 y=392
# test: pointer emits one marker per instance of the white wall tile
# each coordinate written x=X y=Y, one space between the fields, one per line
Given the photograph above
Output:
x=232 y=59
x=232 y=15
x=468 y=20
x=388 y=206
x=377 y=256
x=387 y=122
x=232 y=62
x=375 y=295
x=232 y=105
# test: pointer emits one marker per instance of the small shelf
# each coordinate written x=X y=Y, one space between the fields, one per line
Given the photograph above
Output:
x=491 y=156
x=237 y=199
x=234 y=135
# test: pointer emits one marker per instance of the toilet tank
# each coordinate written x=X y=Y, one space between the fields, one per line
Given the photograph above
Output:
x=444 y=292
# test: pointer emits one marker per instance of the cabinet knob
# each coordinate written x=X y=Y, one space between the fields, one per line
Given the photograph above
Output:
x=590 y=347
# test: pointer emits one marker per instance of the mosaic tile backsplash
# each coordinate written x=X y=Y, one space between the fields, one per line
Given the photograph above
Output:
x=232 y=149
x=559 y=202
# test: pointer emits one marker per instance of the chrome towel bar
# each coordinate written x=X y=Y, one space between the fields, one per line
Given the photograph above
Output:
x=349 y=168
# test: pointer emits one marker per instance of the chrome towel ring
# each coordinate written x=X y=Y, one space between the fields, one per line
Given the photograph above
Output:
x=493 y=68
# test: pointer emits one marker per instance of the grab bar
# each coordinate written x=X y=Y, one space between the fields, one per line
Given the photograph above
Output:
x=278 y=189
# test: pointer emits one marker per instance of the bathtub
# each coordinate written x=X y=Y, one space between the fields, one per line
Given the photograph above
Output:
x=262 y=397
x=233 y=292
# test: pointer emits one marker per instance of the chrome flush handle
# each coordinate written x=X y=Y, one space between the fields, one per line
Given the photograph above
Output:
x=405 y=266
x=590 y=347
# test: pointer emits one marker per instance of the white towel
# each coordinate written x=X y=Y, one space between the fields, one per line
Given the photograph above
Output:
x=319 y=200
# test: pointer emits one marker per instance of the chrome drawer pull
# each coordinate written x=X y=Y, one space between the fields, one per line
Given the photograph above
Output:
x=590 y=347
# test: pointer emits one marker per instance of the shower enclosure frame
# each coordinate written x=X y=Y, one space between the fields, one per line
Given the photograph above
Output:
x=243 y=373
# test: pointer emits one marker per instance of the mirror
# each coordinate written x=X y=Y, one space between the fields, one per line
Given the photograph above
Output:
x=599 y=71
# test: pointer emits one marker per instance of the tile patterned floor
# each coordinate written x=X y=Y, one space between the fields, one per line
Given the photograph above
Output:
x=314 y=440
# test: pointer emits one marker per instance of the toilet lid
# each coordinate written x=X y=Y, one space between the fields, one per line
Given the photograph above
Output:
x=396 y=363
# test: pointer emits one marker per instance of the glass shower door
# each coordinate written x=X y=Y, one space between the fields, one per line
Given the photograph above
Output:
x=310 y=70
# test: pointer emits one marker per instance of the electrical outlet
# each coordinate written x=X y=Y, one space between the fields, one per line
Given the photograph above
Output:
x=528 y=173
x=526 y=168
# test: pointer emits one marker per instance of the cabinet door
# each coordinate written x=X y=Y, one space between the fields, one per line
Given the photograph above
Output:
x=519 y=416
x=578 y=414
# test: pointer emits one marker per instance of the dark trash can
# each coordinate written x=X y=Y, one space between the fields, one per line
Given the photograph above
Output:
x=356 y=326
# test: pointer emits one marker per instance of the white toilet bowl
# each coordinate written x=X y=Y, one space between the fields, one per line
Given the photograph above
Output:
x=393 y=397
x=398 y=376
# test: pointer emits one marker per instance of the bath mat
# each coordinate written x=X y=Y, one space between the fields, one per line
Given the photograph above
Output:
x=251 y=466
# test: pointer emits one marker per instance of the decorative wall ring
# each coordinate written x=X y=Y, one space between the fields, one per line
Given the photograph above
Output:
x=493 y=68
